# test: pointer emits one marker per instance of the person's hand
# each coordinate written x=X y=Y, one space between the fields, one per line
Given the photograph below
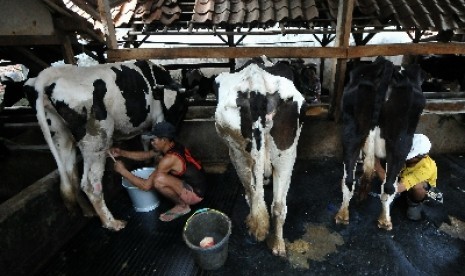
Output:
x=119 y=167
x=116 y=152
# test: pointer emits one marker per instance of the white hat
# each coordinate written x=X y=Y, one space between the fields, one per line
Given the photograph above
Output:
x=420 y=145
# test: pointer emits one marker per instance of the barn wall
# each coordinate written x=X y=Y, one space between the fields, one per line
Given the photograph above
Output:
x=321 y=138
x=31 y=17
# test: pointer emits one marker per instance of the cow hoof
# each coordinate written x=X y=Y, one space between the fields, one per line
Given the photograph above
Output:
x=386 y=225
x=342 y=217
x=258 y=228
x=116 y=225
x=278 y=247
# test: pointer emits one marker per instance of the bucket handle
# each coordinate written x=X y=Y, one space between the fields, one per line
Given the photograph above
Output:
x=200 y=211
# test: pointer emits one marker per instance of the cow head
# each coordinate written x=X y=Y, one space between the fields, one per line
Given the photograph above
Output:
x=13 y=92
x=173 y=97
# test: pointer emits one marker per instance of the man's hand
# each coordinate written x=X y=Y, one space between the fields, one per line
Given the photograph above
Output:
x=116 y=152
x=119 y=167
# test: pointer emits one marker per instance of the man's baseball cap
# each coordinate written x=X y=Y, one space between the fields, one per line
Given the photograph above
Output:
x=420 y=146
x=162 y=129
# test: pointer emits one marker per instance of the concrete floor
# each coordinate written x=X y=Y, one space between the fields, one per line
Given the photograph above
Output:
x=316 y=245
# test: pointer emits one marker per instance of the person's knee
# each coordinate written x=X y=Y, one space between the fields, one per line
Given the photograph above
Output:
x=417 y=192
x=159 y=180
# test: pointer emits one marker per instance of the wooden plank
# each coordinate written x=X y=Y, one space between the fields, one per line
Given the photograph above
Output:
x=288 y=52
x=28 y=147
x=223 y=52
x=405 y=49
x=444 y=95
x=444 y=106
x=23 y=40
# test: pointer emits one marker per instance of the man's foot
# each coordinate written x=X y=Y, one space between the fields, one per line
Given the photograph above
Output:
x=434 y=194
x=174 y=213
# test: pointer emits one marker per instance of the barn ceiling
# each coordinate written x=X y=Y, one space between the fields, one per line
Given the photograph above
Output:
x=157 y=15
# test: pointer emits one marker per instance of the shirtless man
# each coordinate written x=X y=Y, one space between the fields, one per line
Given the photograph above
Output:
x=178 y=176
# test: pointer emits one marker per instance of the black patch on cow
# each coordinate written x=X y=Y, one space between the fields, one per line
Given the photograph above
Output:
x=285 y=123
x=243 y=103
x=281 y=69
x=98 y=106
x=31 y=95
x=258 y=111
x=48 y=90
x=133 y=87
x=146 y=71
x=76 y=121
x=13 y=92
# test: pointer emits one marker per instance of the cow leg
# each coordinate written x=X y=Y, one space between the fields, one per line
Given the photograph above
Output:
x=283 y=163
x=69 y=184
x=258 y=219
x=347 y=185
x=67 y=150
x=94 y=151
x=388 y=189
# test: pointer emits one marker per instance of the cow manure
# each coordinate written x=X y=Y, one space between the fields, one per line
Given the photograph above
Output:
x=456 y=229
x=316 y=244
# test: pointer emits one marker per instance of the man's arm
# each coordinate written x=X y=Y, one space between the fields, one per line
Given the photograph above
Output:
x=134 y=155
x=143 y=184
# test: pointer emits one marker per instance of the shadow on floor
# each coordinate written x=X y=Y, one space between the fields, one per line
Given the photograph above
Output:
x=148 y=246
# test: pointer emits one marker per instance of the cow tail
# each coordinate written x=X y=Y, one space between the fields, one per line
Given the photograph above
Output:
x=42 y=120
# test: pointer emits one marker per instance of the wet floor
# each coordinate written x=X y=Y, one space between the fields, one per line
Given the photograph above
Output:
x=316 y=245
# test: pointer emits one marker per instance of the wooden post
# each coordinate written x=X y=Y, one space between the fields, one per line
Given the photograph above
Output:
x=343 y=29
x=68 y=53
x=107 y=22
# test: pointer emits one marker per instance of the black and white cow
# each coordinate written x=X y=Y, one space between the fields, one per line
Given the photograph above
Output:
x=194 y=78
x=381 y=109
x=91 y=106
x=259 y=117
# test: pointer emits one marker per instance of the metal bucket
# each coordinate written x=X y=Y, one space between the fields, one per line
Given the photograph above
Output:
x=143 y=201
x=208 y=223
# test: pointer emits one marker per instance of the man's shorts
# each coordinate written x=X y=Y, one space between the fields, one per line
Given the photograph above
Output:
x=188 y=195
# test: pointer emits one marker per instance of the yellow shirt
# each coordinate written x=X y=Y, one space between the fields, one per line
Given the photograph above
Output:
x=423 y=171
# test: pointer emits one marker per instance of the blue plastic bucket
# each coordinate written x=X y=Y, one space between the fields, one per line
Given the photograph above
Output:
x=143 y=201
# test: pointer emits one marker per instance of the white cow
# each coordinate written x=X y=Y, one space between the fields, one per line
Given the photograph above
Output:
x=258 y=115
x=88 y=107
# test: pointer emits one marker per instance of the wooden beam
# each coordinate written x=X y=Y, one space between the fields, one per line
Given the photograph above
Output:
x=224 y=52
x=68 y=52
x=107 y=22
x=23 y=40
x=32 y=57
x=57 y=8
x=406 y=49
x=450 y=106
x=287 y=52
x=88 y=9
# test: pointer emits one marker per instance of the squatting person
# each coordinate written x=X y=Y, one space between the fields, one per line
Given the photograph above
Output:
x=418 y=177
x=177 y=176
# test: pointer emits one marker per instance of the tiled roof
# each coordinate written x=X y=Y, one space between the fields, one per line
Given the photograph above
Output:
x=423 y=14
